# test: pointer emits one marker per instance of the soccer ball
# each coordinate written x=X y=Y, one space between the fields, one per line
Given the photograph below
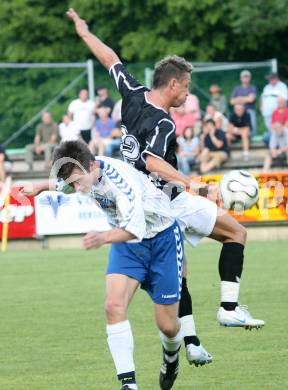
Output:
x=239 y=190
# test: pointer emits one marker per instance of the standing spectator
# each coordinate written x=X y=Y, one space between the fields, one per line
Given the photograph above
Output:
x=81 y=111
x=239 y=128
x=246 y=94
x=278 y=146
x=44 y=142
x=188 y=150
x=103 y=99
x=221 y=122
x=191 y=106
x=182 y=119
x=68 y=130
x=218 y=99
x=269 y=97
x=5 y=164
x=215 y=147
x=107 y=136
x=280 y=114
x=116 y=113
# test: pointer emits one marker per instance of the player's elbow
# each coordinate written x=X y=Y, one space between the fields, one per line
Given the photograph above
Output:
x=151 y=163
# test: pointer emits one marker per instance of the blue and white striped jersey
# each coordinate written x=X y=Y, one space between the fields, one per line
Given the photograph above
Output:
x=129 y=199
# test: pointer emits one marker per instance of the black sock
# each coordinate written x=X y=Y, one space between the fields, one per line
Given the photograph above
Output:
x=185 y=309
x=127 y=378
x=231 y=266
x=185 y=304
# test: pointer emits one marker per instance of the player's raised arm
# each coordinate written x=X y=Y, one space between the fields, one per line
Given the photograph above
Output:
x=105 y=55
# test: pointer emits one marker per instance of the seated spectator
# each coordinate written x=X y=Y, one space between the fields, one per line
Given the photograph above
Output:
x=278 y=146
x=221 y=122
x=188 y=150
x=246 y=94
x=68 y=130
x=5 y=164
x=215 y=147
x=280 y=114
x=44 y=142
x=103 y=99
x=182 y=119
x=81 y=111
x=106 y=136
x=239 y=128
x=217 y=99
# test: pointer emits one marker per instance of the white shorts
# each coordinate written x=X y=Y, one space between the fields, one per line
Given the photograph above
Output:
x=196 y=216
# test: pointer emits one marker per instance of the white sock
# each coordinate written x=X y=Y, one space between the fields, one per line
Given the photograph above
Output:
x=188 y=325
x=120 y=341
x=229 y=291
x=172 y=344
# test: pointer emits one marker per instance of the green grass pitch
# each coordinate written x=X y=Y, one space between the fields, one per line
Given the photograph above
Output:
x=52 y=328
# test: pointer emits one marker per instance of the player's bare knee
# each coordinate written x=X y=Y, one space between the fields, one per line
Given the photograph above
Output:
x=169 y=328
x=114 y=310
x=240 y=234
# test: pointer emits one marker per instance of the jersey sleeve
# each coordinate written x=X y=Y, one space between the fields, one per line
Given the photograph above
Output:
x=124 y=81
x=158 y=139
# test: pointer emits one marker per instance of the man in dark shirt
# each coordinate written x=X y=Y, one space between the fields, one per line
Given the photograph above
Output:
x=151 y=142
x=216 y=150
x=239 y=128
x=103 y=99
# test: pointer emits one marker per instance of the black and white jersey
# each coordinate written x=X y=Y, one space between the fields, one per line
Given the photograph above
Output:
x=146 y=129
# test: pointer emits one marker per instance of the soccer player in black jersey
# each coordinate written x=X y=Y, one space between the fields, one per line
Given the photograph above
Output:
x=149 y=143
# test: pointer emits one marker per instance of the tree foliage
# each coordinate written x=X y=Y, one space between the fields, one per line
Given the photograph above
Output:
x=206 y=30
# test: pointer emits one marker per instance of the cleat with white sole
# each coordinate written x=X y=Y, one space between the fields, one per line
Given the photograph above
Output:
x=197 y=355
x=240 y=317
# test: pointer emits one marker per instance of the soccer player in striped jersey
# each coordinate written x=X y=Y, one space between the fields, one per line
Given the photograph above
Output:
x=146 y=249
x=149 y=143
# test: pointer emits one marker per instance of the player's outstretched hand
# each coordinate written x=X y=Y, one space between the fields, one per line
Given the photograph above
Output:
x=94 y=240
x=34 y=189
x=80 y=24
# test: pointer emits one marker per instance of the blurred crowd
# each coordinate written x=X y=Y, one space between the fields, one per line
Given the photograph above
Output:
x=204 y=138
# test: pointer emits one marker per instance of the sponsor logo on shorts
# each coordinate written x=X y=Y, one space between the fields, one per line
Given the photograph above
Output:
x=169 y=296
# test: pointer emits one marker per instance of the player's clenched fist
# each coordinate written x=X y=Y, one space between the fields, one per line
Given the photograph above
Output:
x=94 y=240
x=80 y=24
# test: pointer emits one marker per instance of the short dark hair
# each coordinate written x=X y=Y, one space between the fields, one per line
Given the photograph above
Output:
x=168 y=68
x=210 y=120
x=74 y=151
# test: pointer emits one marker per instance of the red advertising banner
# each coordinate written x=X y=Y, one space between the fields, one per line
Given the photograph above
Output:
x=21 y=216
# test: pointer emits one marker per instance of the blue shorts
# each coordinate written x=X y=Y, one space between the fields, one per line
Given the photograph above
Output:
x=156 y=263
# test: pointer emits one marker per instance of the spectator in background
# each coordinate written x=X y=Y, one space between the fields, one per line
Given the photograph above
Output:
x=44 y=142
x=246 y=94
x=81 y=111
x=278 y=146
x=182 y=119
x=5 y=164
x=215 y=147
x=239 y=128
x=221 y=122
x=191 y=107
x=280 y=114
x=103 y=99
x=107 y=138
x=269 y=97
x=68 y=130
x=188 y=150
x=116 y=113
x=217 y=99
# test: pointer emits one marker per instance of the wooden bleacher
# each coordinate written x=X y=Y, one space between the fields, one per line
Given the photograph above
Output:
x=256 y=158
